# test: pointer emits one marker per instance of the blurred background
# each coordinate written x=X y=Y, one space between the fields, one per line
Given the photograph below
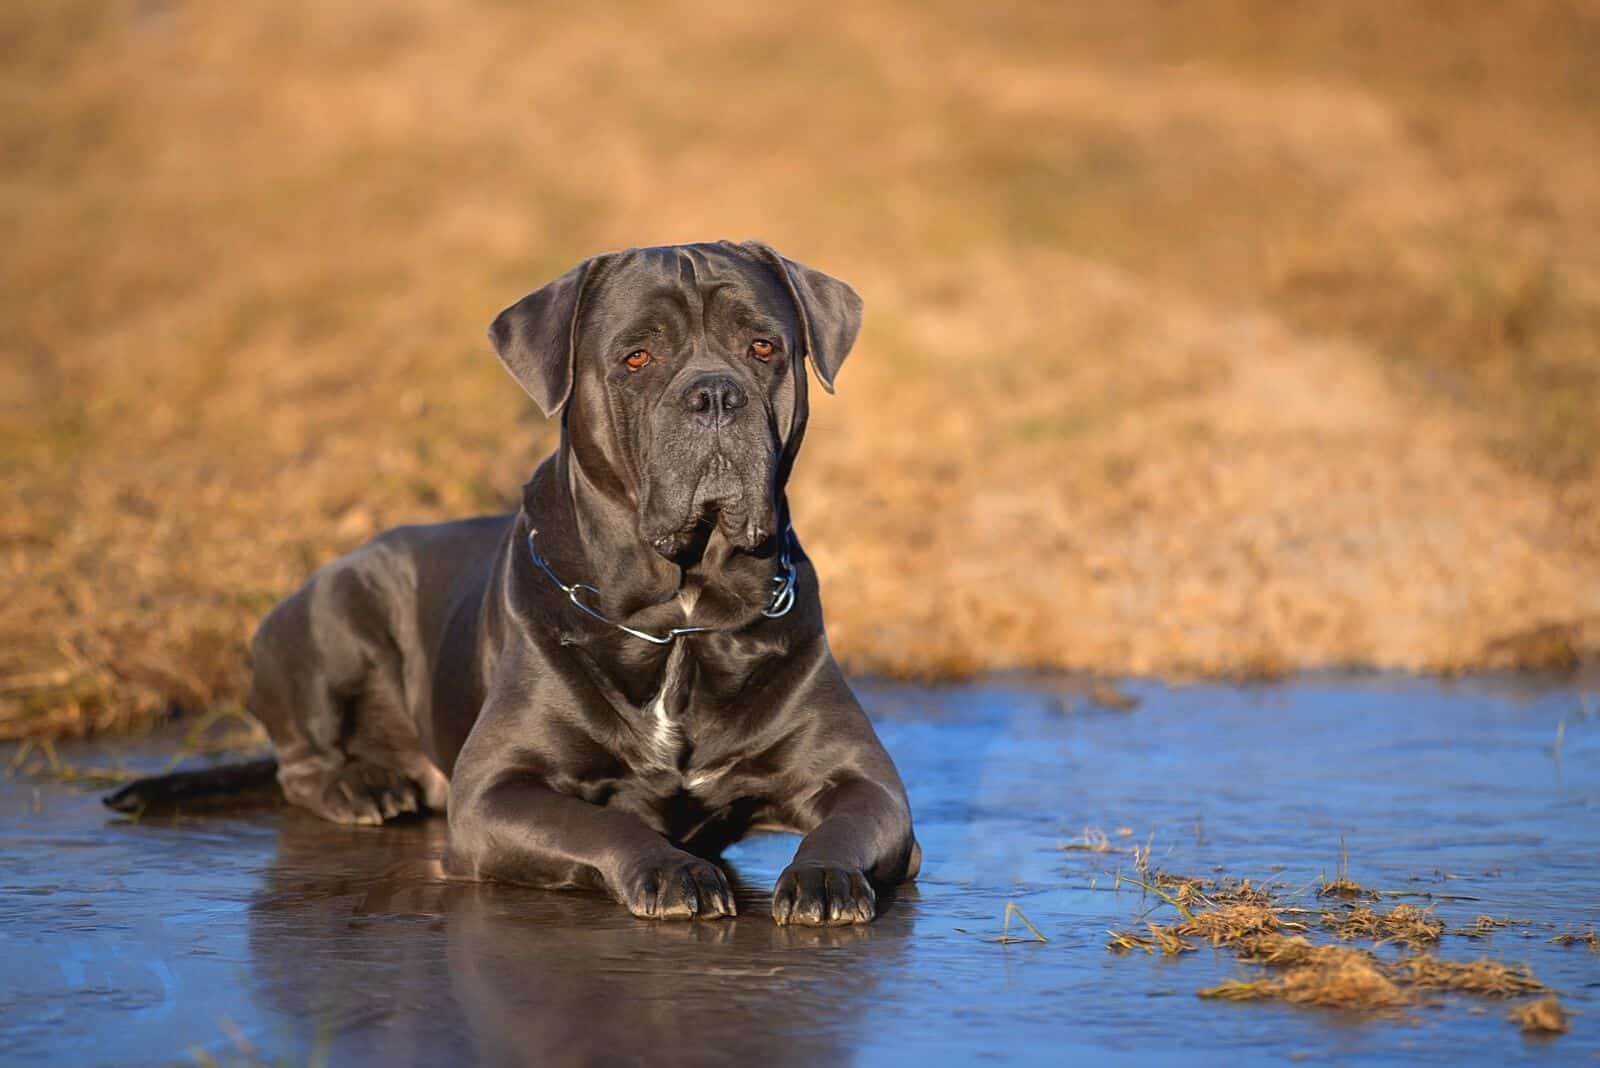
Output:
x=1220 y=338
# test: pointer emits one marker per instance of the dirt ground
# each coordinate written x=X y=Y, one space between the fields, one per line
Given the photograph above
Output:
x=1226 y=338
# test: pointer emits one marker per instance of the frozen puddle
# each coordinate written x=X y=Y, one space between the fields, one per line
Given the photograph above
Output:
x=272 y=936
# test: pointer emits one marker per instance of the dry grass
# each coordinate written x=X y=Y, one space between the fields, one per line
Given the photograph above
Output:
x=1344 y=887
x=1230 y=924
x=239 y=734
x=1225 y=338
x=1485 y=977
x=1404 y=925
x=1162 y=939
x=1330 y=976
x=1484 y=926
x=1341 y=885
x=1582 y=938
x=1292 y=951
x=1347 y=982
x=1006 y=938
x=1259 y=930
x=1220 y=890
x=37 y=759
x=1545 y=1016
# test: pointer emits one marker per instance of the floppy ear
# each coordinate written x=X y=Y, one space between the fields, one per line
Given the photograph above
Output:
x=830 y=312
x=534 y=338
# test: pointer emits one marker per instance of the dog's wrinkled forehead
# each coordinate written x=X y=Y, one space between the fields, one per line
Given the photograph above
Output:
x=686 y=295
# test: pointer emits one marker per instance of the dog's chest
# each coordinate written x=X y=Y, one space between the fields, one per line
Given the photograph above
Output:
x=663 y=726
x=668 y=755
x=686 y=781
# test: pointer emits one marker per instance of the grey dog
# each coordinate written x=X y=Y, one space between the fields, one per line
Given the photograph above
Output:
x=609 y=687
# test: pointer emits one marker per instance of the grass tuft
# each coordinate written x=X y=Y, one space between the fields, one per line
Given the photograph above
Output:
x=1403 y=925
x=1162 y=939
x=1485 y=977
x=1583 y=938
x=1545 y=1016
x=1006 y=938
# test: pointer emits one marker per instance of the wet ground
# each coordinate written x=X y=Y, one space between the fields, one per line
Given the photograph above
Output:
x=271 y=936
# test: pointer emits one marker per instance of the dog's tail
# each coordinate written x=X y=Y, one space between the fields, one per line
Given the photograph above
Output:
x=247 y=784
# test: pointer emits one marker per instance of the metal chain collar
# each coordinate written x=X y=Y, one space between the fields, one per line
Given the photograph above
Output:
x=782 y=593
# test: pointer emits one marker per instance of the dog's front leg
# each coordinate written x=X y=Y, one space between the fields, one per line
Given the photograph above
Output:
x=863 y=837
x=515 y=829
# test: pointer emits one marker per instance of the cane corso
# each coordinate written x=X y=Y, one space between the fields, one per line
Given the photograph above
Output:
x=610 y=686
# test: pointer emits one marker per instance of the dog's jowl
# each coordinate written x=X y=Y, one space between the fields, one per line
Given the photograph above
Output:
x=610 y=686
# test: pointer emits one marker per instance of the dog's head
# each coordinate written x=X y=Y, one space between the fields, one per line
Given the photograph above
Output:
x=679 y=372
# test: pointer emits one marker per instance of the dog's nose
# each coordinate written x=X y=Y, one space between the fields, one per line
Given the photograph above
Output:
x=713 y=399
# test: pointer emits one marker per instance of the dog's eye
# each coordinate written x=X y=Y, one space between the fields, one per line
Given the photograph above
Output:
x=761 y=349
x=637 y=359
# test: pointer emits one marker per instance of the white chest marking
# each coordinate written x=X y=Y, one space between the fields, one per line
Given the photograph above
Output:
x=666 y=736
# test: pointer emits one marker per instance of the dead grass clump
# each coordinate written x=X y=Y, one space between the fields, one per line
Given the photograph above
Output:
x=1237 y=892
x=1349 y=981
x=1286 y=951
x=1341 y=885
x=1404 y=924
x=1345 y=888
x=1343 y=977
x=1586 y=938
x=1126 y=941
x=1239 y=990
x=1162 y=939
x=1485 y=978
x=1184 y=890
x=1189 y=891
x=1545 y=1016
x=1258 y=929
x=1483 y=926
x=1230 y=924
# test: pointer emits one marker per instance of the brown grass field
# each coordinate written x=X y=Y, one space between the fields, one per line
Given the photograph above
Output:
x=1222 y=338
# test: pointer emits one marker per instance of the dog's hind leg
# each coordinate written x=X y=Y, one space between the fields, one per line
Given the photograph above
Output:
x=350 y=758
x=384 y=741
x=334 y=704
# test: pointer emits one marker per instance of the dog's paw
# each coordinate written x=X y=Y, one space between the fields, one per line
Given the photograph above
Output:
x=676 y=887
x=362 y=793
x=821 y=895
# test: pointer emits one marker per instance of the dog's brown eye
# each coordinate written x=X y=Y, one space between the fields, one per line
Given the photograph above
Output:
x=637 y=359
x=761 y=349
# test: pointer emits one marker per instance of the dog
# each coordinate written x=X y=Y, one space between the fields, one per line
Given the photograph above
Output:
x=607 y=688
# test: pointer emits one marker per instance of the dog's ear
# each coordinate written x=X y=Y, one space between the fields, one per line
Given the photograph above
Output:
x=535 y=337
x=830 y=311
